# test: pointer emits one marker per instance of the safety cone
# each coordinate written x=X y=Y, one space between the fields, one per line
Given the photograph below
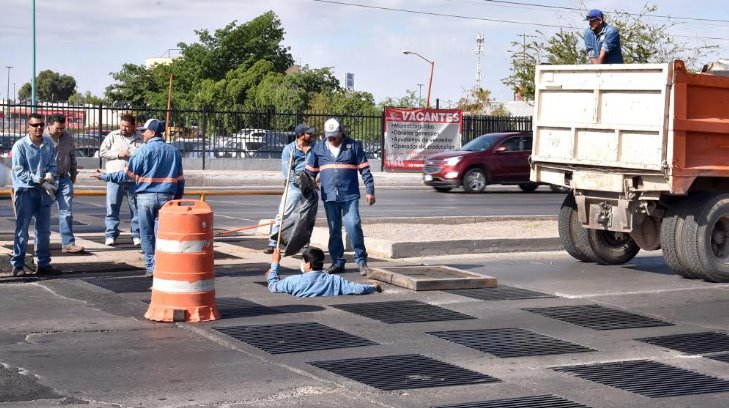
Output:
x=183 y=288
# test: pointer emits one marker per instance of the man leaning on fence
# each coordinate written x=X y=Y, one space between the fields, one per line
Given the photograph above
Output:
x=117 y=148
x=67 y=171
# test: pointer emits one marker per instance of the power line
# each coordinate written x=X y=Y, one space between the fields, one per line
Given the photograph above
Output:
x=493 y=20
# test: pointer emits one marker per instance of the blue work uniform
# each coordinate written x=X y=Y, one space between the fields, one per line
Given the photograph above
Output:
x=607 y=40
x=314 y=283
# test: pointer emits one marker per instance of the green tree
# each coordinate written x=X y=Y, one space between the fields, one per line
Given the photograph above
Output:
x=50 y=86
x=410 y=100
x=475 y=102
x=641 y=42
x=85 y=98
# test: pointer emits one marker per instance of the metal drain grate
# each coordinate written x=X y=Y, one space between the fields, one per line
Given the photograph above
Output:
x=403 y=311
x=501 y=292
x=692 y=343
x=294 y=337
x=538 y=401
x=724 y=358
x=598 y=317
x=401 y=372
x=231 y=307
x=649 y=378
x=510 y=342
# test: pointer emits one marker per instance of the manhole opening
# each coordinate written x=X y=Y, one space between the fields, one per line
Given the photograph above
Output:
x=294 y=337
x=598 y=317
x=404 y=311
x=403 y=372
x=648 y=378
x=510 y=342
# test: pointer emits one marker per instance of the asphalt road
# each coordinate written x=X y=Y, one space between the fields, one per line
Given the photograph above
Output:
x=237 y=211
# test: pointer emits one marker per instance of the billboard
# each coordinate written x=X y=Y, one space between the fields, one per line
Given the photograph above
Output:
x=413 y=134
x=349 y=81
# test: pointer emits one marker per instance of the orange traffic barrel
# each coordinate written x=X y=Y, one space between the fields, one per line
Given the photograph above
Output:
x=183 y=288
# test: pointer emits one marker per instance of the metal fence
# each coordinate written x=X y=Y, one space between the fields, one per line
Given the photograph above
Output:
x=209 y=134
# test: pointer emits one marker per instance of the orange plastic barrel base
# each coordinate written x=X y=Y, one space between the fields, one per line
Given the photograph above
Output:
x=192 y=314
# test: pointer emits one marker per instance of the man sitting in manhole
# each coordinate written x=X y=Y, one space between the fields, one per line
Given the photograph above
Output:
x=314 y=281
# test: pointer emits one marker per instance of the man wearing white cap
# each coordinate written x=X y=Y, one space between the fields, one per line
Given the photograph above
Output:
x=157 y=170
x=337 y=159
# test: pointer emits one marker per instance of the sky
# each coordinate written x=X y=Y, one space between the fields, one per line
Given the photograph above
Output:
x=89 y=39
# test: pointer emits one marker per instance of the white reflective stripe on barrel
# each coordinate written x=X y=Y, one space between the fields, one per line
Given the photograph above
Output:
x=170 y=246
x=175 y=286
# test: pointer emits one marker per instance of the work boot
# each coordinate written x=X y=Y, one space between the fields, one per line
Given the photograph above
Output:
x=72 y=248
x=110 y=241
x=47 y=270
x=269 y=250
x=364 y=270
x=136 y=241
x=149 y=274
x=335 y=269
x=18 y=271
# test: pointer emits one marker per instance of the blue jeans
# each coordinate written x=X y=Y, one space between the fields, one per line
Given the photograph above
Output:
x=64 y=199
x=292 y=198
x=349 y=212
x=114 y=195
x=148 y=205
x=32 y=203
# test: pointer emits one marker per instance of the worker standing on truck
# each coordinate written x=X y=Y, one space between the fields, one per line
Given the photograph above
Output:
x=602 y=40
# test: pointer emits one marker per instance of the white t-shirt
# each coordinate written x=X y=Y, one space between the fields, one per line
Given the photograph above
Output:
x=335 y=150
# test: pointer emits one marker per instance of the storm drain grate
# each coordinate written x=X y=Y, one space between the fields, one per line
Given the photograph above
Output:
x=724 y=358
x=649 y=378
x=231 y=307
x=692 y=343
x=400 y=372
x=598 y=317
x=402 y=311
x=510 y=342
x=538 y=401
x=501 y=292
x=294 y=337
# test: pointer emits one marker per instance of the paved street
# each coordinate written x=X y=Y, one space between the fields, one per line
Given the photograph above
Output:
x=555 y=331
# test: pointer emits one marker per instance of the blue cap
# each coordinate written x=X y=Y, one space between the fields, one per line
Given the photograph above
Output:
x=303 y=128
x=155 y=125
x=594 y=14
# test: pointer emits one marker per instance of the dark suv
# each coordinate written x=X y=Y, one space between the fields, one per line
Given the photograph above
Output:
x=494 y=158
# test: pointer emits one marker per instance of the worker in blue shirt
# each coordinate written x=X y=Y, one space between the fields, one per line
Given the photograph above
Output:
x=313 y=281
x=338 y=160
x=156 y=168
x=602 y=40
x=35 y=172
x=291 y=167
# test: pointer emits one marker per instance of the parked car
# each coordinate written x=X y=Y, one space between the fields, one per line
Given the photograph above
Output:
x=494 y=158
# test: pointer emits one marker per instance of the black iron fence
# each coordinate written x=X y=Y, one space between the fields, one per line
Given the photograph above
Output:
x=209 y=134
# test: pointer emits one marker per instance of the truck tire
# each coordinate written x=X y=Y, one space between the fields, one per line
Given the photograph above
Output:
x=672 y=239
x=528 y=187
x=612 y=248
x=572 y=235
x=474 y=181
x=706 y=237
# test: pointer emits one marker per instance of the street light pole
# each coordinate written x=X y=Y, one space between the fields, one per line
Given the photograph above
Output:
x=7 y=90
x=430 y=80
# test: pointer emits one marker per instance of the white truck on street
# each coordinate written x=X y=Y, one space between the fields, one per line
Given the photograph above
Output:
x=645 y=150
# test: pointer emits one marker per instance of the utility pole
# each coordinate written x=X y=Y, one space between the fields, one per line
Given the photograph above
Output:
x=479 y=52
x=524 y=36
x=7 y=90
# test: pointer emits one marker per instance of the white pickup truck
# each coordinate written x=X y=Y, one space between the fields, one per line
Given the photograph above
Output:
x=645 y=150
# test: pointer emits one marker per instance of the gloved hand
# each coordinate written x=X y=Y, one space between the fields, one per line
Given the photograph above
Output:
x=50 y=188
x=49 y=178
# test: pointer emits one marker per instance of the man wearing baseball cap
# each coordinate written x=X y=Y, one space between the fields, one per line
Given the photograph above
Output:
x=157 y=170
x=291 y=167
x=602 y=40
x=337 y=159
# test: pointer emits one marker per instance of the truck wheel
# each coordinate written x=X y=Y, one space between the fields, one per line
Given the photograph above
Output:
x=528 y=187
x=474 y=181
x=671 y=239
x=572 y=235
x=612 y=248
x=442 y=189
x=706 y=237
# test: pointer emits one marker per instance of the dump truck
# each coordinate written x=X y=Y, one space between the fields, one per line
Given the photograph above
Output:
x=644 y=149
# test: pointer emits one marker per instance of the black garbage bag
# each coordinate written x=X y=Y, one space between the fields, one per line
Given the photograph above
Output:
x=297 y=227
